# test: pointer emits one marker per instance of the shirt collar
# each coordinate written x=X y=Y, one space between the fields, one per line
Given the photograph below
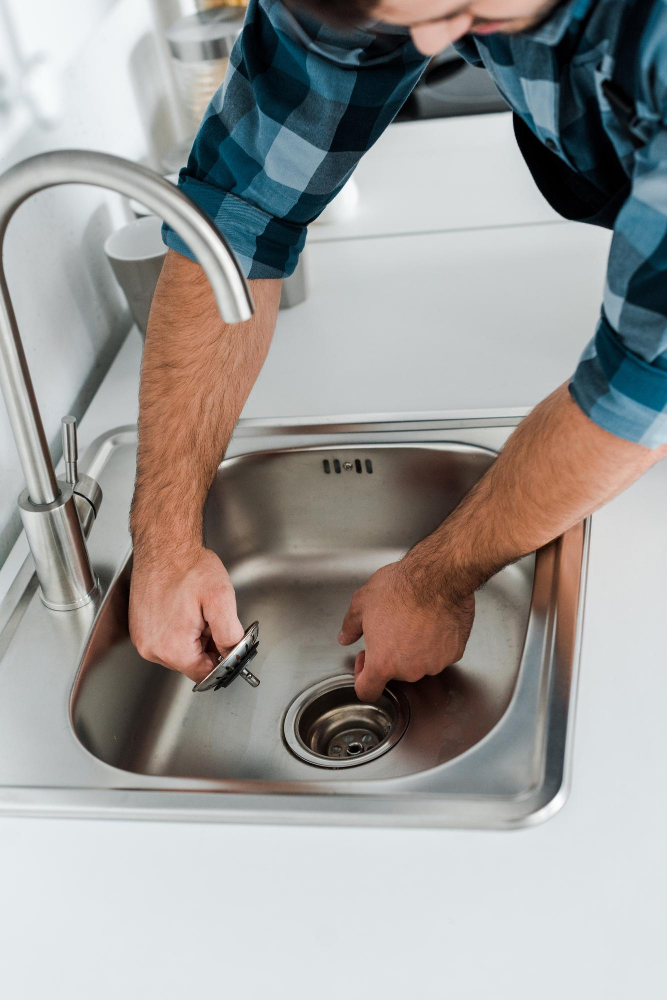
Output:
x=552 y=30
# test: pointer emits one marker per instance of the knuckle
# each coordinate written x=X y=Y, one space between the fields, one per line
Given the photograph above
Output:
x=153 y=651
x=221 y=602
x=357 y=599
x=139 y=641
x=221 y=625
x=144 y=650
x=217 y=595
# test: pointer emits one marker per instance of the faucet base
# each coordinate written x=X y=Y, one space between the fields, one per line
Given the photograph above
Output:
x=81 y=603
x=57 y=544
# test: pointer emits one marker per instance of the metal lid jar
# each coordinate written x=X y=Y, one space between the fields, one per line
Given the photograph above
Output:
x=200 y=45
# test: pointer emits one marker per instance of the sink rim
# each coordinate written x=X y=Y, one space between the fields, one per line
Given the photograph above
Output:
x=121 y=794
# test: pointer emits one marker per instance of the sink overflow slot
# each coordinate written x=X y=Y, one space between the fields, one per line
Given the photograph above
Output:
x=348 y=466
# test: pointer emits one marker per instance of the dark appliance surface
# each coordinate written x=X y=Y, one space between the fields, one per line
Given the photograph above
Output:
x=451 y=87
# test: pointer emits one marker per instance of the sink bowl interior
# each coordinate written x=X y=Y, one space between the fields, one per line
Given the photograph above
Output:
x=299 y=531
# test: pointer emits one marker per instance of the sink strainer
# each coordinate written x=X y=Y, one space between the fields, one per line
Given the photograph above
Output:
x=328 y=726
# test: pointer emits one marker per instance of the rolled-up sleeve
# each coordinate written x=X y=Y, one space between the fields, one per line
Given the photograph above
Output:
x=621 y=379
x=300 y=104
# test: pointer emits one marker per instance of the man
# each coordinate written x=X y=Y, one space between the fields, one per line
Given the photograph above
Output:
x=587 y=80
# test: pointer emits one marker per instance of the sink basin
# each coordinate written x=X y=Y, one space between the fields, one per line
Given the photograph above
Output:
x=302 y=515
x=298 y=541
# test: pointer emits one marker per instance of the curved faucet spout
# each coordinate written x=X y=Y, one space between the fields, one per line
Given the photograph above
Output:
x=160 y=196
x=165 y=200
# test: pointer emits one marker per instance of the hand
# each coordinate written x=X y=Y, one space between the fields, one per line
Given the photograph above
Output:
x=182 y=616
x=408 y=635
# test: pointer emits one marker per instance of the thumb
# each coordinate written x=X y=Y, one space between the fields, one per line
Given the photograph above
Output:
x=352 y=628
x=223 y=621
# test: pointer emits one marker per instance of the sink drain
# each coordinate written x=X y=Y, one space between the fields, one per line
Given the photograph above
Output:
x=328 y=726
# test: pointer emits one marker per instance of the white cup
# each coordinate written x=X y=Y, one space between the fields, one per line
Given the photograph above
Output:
x=136 y=254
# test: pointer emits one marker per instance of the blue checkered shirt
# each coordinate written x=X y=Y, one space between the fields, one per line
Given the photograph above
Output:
x=302 y=102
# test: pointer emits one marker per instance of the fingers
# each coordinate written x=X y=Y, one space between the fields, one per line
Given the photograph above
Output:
x=200 y=668
x=359 y=663
x=223 y=631
x=352 y=628
x=369 y=680
x=182 y=620
x=183 y=652
x=194 y=655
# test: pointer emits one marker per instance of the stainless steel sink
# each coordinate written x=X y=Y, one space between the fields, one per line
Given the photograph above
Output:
x=301 y=515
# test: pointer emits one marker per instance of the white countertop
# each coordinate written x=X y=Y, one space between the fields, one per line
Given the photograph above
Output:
x=428 y=176
x=570 y=908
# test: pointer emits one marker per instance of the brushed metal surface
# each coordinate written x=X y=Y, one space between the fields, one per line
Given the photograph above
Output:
x=489 y=740
x=298 y=542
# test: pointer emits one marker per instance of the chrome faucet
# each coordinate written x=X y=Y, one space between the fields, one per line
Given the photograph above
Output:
x=57 y=513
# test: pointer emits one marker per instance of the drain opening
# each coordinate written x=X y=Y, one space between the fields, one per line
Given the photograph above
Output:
x=353 y=743
x=328 y=725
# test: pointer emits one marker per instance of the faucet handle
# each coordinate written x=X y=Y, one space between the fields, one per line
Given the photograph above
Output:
x=70 y=449
x=87 y=492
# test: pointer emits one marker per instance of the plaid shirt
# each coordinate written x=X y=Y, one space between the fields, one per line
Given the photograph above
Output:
x=302 y=102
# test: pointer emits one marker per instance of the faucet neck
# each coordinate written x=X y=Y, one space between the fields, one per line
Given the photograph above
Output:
x=161 y=197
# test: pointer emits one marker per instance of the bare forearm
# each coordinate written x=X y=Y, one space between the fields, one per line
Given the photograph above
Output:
x=556 y=468
x=196 y=375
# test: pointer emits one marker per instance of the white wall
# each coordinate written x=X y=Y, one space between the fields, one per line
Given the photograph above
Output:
x=71 y=313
